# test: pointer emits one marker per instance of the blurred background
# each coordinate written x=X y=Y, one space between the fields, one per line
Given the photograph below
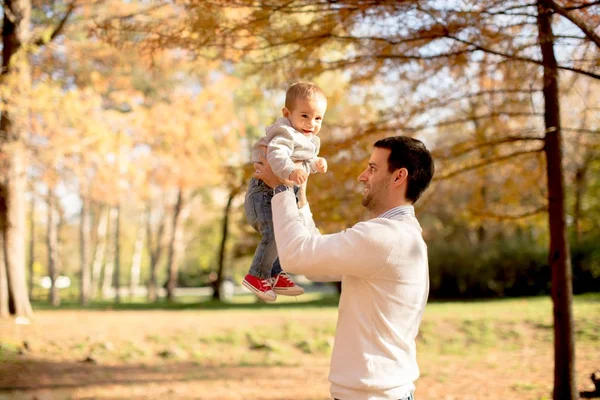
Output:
x=135 y=121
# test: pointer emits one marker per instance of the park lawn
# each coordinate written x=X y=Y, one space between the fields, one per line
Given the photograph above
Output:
x=467 y=350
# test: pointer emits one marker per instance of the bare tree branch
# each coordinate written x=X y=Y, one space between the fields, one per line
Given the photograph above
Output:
x=486 y=162
x=509 y=139
x=582 y=6
x=500 y=217
x=134 y=14
x=569 y=37
x=589 y=31
x=515 y=7
x=581 y=130
x=471 y=118
x=440 y=103
x=387 y=126
x=57 y=31
x=520 y=58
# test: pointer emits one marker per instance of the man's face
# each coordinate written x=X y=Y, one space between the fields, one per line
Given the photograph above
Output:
x=376 y=179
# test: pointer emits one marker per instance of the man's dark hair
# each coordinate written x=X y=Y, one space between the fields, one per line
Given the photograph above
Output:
x=409 y=153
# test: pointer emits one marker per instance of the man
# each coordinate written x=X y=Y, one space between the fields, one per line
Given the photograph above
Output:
x=382 y=264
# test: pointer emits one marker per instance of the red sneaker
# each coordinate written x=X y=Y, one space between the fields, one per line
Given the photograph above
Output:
x=260 y=287
x=282 y=284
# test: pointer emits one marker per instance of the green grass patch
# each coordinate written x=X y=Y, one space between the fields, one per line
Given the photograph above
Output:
x=465 y=329
x=239 y=302
x=9 y=350
x=523 y=387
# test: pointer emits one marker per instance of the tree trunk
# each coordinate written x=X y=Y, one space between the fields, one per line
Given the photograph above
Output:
x=84 y=250
x=580 y=186
x=118 y=253
x=155 y=253
x=175 y=245
x=109 y=267
x=15 y=75
x=31 y=245
x=4 y=312
x=52 y=244
x=100 y=250
x=562 y=293
x=580 y=179
x=225 y=230
x=480 y=136
x=136 y=260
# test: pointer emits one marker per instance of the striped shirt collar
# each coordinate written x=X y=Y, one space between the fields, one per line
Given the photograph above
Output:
x=398 y=211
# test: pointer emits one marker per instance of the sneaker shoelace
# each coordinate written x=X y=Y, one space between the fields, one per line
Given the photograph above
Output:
x=266 y=284
x=286 y=279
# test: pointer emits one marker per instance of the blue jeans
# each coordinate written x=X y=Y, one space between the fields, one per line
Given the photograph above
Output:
x=257 y=206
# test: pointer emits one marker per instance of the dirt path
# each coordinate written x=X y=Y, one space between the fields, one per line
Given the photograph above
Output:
x=250 y=355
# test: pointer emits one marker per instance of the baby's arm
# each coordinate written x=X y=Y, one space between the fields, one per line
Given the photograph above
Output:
x=298 y=176
x=318 y=164
x=279 y=153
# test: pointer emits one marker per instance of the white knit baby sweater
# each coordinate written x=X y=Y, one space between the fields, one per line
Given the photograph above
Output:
x=284 y=146
x=383 y=267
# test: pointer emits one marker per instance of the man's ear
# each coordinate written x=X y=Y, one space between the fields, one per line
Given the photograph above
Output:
x=286 y=113
x=400 y=176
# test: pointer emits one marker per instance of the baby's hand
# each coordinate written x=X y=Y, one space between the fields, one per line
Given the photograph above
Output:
x=321 y=164
x=298 y=176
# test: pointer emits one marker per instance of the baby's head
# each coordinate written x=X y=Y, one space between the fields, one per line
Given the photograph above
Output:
x=305 y=106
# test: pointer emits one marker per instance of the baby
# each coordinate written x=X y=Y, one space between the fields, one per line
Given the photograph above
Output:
x=291 y=146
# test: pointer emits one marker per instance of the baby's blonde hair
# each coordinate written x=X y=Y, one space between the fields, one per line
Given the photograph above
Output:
x=302 y=90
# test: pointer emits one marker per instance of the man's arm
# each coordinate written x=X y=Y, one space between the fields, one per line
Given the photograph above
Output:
x=307 y=219
x=355 y=251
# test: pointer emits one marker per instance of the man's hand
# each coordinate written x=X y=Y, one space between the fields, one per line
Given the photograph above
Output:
x=298 y=176
x=321 y=164
x=263 y=171
x=301 y=195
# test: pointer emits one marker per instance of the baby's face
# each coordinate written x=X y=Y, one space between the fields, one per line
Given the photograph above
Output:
x=307 y=115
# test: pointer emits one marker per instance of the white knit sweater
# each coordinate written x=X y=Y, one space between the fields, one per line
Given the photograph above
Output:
x=285 y=146
x=385 y=283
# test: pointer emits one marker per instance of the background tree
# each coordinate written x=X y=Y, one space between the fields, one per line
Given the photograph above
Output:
x=15 y=82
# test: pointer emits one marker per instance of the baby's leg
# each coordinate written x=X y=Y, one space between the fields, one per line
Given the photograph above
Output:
x=276 y=269
x=265 y=254
x=259 y=214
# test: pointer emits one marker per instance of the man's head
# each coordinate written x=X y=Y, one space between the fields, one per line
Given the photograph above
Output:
x=305 y=106
x=399 y=171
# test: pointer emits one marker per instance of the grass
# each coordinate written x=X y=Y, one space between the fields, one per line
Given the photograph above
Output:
x=451 y=327
x=501 y=346
x=239 y=302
